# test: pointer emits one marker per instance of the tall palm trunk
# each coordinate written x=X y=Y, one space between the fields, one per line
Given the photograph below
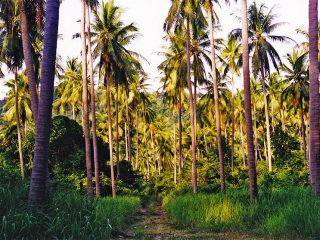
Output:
x=216 y=97
x=85 y=104
x=192 y=116
x=38 y=193
x=113 y=186
x=255 y=132
x=174 y=150
x=137 y=134
x=39 y=15
x=247 y=102
x=272 y=114
x=233 y=123
x=117 y=130
x=28 y=59
x=128 y=129
x=93 y=110
x=242 y=145
x=180 y=131
x=266 y=112
x=16 y=103
x=303 y=132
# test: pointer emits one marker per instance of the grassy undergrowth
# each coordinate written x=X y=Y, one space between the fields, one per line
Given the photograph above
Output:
x=284 y=212
x=70 y=215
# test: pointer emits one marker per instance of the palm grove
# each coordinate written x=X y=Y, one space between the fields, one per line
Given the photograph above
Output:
x=197 y=129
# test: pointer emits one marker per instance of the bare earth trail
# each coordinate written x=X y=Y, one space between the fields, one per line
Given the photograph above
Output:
x=156 y=226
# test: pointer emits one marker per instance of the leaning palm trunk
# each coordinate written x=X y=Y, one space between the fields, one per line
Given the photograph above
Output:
x=247 y=102
x=38 y=193
x=266 y=112
x=85 y=105
x=233 y=123
x=16 y=103
x=216 y=97
x=113 y=186
x=93 y=110
x=192 y=116
x=28 y=59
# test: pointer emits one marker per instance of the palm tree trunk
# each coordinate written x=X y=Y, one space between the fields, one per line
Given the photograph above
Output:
x=28 y=59
x=39 y=15
x=117 y=130
x=232 y=134
x=266 y=112
x=93 y=110
x=16 y=103
x=303 y=132
x=255 y=132
x=272 y=115
x=113 y=186
x=247 y=102
x=38 y=193
x=282 y=120
x=180 y=131
x=137 y=135
x=242 y=145
x=174 y=150
x=192 y=116
x=85 y=104
x=128 y=129
x=216 y=97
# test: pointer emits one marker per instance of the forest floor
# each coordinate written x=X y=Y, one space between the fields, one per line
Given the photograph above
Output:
x=154 y=224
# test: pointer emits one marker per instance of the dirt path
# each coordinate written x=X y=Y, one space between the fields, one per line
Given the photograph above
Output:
x=156 y=226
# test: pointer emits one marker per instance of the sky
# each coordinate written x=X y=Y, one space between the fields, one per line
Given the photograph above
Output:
x=149 y=16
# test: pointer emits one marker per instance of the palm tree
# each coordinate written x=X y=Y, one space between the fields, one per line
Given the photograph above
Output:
x=314 y=98
x=297 y=87
x=231 y=54
x=38 y=193
x=93 y=4
x=247 y=102
x=261 y=28
x=85 y=103
x=11 y=54
x=181 y=13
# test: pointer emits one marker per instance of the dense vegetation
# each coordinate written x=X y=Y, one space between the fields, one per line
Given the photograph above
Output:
x=79 y=158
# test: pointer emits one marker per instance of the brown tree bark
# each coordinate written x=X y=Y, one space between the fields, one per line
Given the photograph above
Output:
x=192 y=116
x=180 y=132
x=28 y=59
x=93 y=109
x=85 y=103
x=247 y=102
x=216 y=98
x=38 y=193
x=117 y=130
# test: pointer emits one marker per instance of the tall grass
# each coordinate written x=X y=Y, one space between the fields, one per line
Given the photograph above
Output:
x=284 y=212
x=70 y=215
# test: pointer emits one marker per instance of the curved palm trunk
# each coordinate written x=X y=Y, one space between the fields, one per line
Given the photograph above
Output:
x=247 y=102
x=216 y=97
x=180 y=132
x=93 y=111
x=117 y=130
x=266 y=112
x=16 y=103
x=85 y=104
x=38 y=193
x=28 y=59
x=192 y=116
x=113 y=186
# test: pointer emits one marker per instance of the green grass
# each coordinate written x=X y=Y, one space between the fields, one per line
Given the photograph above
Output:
x=285 y=212
x=70 y=215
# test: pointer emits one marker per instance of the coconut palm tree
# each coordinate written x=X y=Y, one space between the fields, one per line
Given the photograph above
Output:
x=247 y=101
x=38 y=193
x=184 y=14
x=11 y=54
x=261 y=27
x=231 y=54
x=297 y=87
x=314 y=98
